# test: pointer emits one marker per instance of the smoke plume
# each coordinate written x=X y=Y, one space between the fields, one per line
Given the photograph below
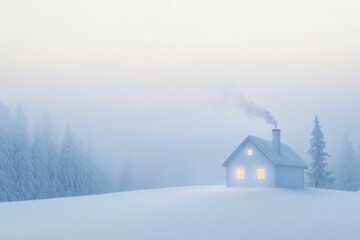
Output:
x=250 y=108
x=254 y=110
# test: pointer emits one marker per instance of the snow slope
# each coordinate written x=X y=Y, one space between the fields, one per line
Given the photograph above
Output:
x=204 y=212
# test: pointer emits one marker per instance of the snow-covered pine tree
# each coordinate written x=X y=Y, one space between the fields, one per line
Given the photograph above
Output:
x=318 y=175
x=67 y=171
x=72 y=171
x=349 y=168
x=45 y=157
x=26 y=184
x=38 y=154
x=8 y=176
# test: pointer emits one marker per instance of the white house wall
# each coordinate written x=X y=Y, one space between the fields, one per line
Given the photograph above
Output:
x=250 y=164
x=289 y=177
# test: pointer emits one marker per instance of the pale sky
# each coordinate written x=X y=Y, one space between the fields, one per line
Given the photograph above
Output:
x=142 y=79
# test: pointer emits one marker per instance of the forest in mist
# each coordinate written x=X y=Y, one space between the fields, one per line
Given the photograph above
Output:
x=36 y=166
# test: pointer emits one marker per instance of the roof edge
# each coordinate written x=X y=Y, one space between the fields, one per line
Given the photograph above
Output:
x=228 y=159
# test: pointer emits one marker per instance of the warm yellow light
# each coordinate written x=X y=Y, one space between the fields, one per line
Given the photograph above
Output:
x=261 y=173
x=250 y=152
x=240 y=173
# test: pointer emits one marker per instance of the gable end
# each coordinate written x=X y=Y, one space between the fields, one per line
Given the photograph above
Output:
x=240 y=147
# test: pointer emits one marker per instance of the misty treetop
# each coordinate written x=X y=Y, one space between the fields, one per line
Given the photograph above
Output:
x=36 y=167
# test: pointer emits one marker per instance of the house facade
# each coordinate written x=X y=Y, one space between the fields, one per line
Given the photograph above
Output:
x=262 y=163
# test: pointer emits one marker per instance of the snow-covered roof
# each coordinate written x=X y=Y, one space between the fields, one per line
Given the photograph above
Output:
x=288 y=157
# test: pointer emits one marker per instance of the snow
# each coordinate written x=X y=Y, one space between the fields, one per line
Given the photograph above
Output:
x=201 y=212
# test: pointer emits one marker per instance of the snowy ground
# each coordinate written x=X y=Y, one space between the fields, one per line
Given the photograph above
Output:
x=204 y=212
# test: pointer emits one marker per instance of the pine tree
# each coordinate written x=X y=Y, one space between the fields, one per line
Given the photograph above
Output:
x=319 y=177
x=71 y=166
x=8 y=176
x=38 y=154
x=349 y=169
x=27 y=186
x=45 y=157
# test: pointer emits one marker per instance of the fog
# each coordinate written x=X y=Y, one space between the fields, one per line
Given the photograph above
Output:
x=143 y=82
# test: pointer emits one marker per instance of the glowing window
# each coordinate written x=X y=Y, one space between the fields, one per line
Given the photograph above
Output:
x=250 y=152
x=240 y=173
x=261 y=173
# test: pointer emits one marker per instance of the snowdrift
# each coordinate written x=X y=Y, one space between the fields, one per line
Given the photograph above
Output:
x=203 y=212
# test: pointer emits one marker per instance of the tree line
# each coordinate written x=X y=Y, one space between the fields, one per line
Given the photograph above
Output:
x=36 y=167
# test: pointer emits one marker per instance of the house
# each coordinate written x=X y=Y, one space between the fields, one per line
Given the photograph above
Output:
x=262 y=163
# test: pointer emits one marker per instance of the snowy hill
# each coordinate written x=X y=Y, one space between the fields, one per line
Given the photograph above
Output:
x=204 y=212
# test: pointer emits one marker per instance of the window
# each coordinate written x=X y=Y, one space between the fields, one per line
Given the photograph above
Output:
x=261 y=173
x=240 y=173
x=250 y=152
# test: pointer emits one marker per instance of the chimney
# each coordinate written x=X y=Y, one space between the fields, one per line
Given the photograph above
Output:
x=276 y=141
